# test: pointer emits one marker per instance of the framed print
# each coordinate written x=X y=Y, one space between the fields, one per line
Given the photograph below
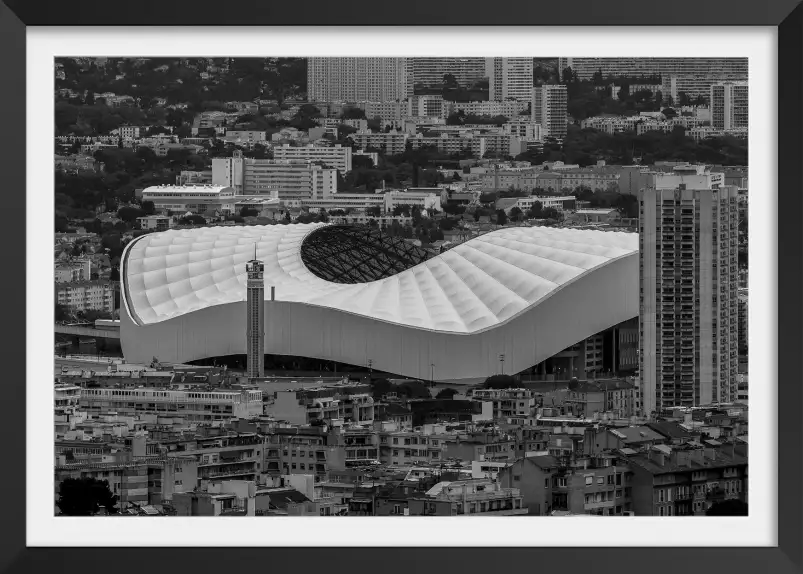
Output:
x=418 y=273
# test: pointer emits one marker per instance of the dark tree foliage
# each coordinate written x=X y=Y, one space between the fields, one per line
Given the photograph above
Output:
x=85 y=497
x=728 y=508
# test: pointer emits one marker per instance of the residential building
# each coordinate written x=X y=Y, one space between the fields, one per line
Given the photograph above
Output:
x=507 y=402
x=357 y=124
x=595 y=485
x=509 y=78
x=135 y=479
x=287 y=179
x=481 y=497
x=692 y=76
x=510 y=109
x=729 y=109
x=194 y=178
x=86 y=296
x=74 y=270
x=429 y=72
x=674 y=482
x=244 y=136
x=227 y=498
x=351 y=403
x=404 y=448
x=527 y=130
x=391 y=143
x=192 y=405
x=334 y=157
x=548 y=108
x=423 y=199
x=426 y=106
x=189 y=198
x=357 y=79
x=689 y=294
x=155 y=222
x=357 y=201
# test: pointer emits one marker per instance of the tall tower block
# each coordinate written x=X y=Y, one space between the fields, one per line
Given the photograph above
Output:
x=255 y=329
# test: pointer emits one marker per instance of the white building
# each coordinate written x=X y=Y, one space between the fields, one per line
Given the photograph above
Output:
x=189 y=198
x=509 y=78
x=86 y=296
x=78 y=269
x=286 y=179
x=391 y=143
x=192 y=405
x=423 y=199
x=336 y=157
x=155 y=222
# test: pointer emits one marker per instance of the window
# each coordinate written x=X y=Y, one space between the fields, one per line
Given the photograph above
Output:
x=589 y=480
x=546 y=482
x=661 y=495
x=610 y=479
x=600 y=480
x=177 y=483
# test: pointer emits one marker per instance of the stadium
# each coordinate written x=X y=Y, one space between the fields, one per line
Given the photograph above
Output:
x=356 y=296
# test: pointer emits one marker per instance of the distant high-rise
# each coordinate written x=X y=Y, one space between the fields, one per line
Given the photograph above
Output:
x=358 y=79
x=509 y=78
x=548 y=109
x=728 y=101
x=690 y=76
x=255 y=329
x=430 y=71
x=689 y=290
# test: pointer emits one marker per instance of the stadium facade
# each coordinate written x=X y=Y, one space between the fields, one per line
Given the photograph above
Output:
x=356 y=296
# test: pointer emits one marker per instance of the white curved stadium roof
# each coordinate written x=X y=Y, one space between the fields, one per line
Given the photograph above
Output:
x=476 y=285
x=525 y=292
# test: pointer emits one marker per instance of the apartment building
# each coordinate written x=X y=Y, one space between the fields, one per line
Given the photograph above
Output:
x=155 y=222
x=511 y=109
x=139 y=480
x=509 y=78
x=412 y=448
x=391 y=143
x=507 y=402
x=527 y=130
x=423 y=199
x=356 y=201
x=73 y=270
x=358 y=79
x=350 y=403
x=334 y=157
x=426 y=106
x=194 y=177
x=429 y=72
x=548 y=108
x=689 y=292
x=480 y=497
x=692 y=76
x=193 y=405
x=189 y=198
x=729 y=105
x=284 y=179
x=86 y=296
x=683 y=482
x=595 y=485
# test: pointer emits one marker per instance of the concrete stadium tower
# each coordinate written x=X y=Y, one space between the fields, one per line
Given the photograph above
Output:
x=255 y=317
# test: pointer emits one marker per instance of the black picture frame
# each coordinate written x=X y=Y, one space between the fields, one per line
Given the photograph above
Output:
x=787 y=15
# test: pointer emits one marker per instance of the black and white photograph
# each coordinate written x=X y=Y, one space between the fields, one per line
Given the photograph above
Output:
x=401 y=286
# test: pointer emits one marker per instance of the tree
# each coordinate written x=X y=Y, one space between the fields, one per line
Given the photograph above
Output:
x=192 y=219
x=447 y=394
x=373 y=211
x=669 y=113
x=148 y=207
x=85 y=497
x=516 y=213
x=501 y=217
x=130 y=214
x=62 y=313
x=249 y=212
x=352 y=113
x=456 y=177
x=728 y=508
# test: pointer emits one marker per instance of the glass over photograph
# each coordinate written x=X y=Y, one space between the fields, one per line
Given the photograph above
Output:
x=401 y=286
